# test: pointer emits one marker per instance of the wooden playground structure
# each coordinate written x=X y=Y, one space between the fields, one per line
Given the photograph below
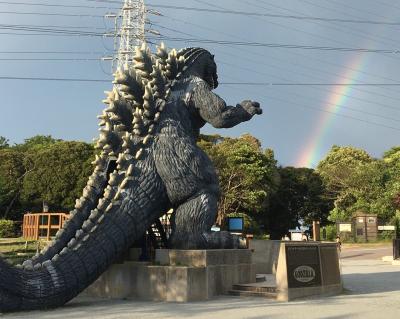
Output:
x=42 y=225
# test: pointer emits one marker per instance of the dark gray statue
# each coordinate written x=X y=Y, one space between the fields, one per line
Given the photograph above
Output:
x=149 y=163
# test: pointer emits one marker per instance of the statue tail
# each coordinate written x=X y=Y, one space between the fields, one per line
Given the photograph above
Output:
x=102 y=238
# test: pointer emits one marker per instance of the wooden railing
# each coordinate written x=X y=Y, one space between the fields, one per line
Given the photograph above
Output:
x=42 y=225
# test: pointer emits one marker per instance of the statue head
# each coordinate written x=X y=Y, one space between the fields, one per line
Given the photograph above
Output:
x=200 y=62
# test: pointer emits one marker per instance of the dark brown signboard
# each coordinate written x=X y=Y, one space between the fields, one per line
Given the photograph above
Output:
x=303 y=266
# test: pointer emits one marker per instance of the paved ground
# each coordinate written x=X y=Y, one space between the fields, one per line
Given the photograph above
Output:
x=365 y=251
x=372 y=292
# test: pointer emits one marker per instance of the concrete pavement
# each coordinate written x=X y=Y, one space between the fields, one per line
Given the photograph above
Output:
x=372 y=292
x=366 y=251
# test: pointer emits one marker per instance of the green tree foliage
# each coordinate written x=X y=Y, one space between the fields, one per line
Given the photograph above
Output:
x=247 y=175
x=6 y=228
x=301 y=196
x=13 y=168
x=3 y=191
x=36 y=142
x=3 y=142
x=42 y=169
x=331 y=232
x=338 y=167
x=60 y=172
x=358 y=182
x=391 y=161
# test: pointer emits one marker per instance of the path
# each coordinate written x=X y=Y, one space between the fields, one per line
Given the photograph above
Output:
x=372 y=292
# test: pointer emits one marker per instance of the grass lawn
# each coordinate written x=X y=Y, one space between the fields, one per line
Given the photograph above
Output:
x=16 y=250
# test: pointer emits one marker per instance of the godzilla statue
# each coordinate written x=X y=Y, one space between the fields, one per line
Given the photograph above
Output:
x=148 y=163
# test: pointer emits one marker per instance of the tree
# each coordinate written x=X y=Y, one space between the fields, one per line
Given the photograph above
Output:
x=3 y=142
x=42 y=169
x=391 y=161
x=13 y=168
x=3 y=191
x=61 y=172
x=247 y=175
x=37 y=142
x=337 y=168
x=301 y=196
x=358 y=182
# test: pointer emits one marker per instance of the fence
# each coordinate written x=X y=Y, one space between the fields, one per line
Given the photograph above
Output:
x=43 y=225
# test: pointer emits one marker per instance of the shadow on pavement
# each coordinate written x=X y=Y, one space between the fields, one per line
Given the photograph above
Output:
x=356 y=255
x=368 y=283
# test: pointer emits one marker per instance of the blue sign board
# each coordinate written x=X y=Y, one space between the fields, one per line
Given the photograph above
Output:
x=235 y=224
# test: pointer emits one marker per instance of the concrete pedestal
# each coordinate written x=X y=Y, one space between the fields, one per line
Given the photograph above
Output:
x=177 y=276
x=306 y=269
x=265 y=255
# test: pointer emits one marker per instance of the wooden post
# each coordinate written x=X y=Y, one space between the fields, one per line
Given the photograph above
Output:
x=36 y=227
x=48 y=226
x=316 y=230
x=23 y=228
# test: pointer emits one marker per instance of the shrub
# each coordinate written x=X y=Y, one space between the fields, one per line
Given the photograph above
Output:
x=6 y=228
x=331 y=232
x=387 y=235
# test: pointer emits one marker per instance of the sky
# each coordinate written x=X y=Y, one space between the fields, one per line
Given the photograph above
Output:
x=300 y=122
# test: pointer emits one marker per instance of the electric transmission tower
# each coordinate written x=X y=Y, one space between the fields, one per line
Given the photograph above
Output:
x=129 y=31
x=132 y=31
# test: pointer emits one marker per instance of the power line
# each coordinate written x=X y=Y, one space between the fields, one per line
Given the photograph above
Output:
x=55 y=5
x=336 y=114
x=310 y=84
x=50 y=79
x=312 y=18
x=270 y=15
x=211 y=41
x=51 y=52
x=44 y=28
x=311 y=34
x=61 y=26
x=47 y=31
x=329 y=62
x=287 y=102
x=388 y=5
x=69 y=59
x=279 y=45
x=50 y=59
x=222 y=83
x=104 y=1
x=44 y=34
x=239 y=66
x=334 y=26
x=377 y=38
x=358 y=10
x=344 y=107
x=53 y=14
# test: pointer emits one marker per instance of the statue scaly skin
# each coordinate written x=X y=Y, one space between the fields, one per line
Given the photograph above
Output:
x=151 y=126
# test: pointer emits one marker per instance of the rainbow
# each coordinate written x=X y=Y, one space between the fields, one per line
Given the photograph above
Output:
x=312 y=153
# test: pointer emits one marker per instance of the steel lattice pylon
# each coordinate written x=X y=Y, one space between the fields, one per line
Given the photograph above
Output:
x=132 y=31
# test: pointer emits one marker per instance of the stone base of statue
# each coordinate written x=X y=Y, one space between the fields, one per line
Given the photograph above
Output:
x=306 y=269
x=298 y=269
x=176 y=276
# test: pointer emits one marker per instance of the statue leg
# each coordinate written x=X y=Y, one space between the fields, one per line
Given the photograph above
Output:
x=193 y=191
x=192 y=224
